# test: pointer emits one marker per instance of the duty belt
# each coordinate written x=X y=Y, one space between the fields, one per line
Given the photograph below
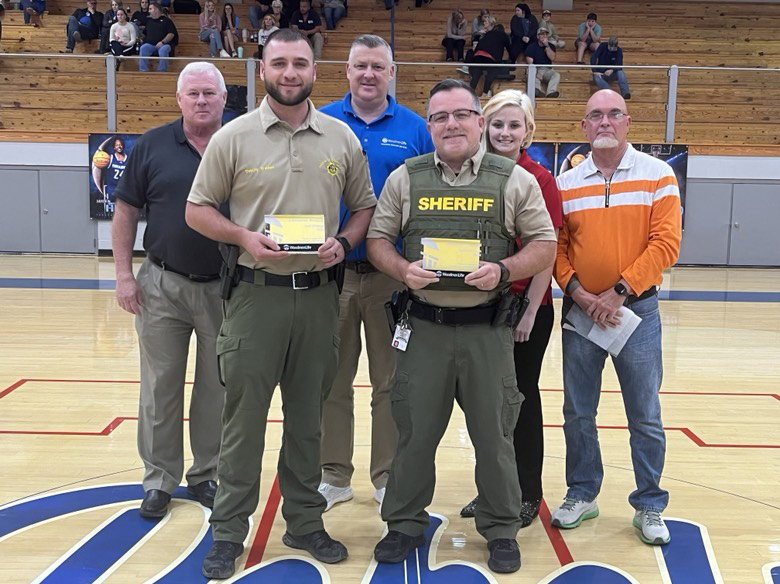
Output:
x=453 y=316
x=296 y=280
x=361 y=266
x=652 y=291
x=194 y=277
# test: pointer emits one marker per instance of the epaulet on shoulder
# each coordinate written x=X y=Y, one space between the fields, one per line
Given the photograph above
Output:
x=419 y=163
x=497 y=164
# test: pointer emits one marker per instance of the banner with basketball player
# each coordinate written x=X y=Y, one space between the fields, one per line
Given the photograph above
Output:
x=108 y=156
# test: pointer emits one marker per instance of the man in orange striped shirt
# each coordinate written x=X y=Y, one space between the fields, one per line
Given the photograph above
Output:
x=622 y=228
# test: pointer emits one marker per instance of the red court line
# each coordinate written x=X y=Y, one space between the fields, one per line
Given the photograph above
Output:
x=555 y=536
x=10 y=388
x=264 y=528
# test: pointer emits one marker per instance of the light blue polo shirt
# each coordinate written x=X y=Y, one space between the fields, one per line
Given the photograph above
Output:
x=396 y=135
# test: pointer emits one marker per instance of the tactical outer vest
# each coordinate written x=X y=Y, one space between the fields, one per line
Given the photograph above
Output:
x=474 y=211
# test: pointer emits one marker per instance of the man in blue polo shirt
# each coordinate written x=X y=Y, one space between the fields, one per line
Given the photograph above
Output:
x=390 y=133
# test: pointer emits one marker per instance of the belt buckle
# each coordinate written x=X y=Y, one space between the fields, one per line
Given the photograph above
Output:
x=295 y=285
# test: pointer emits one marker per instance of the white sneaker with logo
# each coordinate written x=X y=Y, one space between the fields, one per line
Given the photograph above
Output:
x=572 y=512
x=334 y=495
x=652 y=529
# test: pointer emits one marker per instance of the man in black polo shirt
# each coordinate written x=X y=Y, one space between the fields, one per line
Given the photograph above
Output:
x=176 y=292
x=308 y=23
x=160 y=39
x=540 y=53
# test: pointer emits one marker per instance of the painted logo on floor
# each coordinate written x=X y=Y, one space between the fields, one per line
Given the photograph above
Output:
x=687 y=559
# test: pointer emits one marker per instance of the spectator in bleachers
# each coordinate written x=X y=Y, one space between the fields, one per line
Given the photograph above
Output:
x=523 y=30
x=160 y=40
x=547 y=23
x=455 y=35
x=610 y=56
x=83 y=25
x=542 y=53
x=307 y=22
x=280 y=17
x=2 y=15
x=268 y=27
x=257 y=11
x=139 y=18
x=122 y=35
x=33 y=11
x=211 y=30
x=333 y=11
x=478 y=26
x=588 y=37
x=230 y=23
x=489 y=50
x=109 y=19
x=186 y=7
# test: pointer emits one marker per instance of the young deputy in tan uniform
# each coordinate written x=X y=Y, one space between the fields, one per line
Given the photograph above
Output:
x=454 y=351
x=281 y=321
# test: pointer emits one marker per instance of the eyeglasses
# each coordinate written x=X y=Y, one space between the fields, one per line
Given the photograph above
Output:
x=460 y=115
x=613 y=115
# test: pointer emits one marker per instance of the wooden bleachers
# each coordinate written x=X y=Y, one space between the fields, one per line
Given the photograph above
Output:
x=63 y=98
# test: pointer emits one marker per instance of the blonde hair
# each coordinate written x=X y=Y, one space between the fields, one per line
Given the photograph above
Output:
x=501 y=100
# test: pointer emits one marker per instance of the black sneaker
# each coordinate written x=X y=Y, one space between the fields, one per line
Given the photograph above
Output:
x=319 y=544
x=528 y=512
x=468 y=510
x=395 y=546
x=220 y=561
x=504 y=555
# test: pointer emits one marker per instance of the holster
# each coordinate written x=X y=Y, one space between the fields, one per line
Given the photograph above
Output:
x=396 y=306
x=228 y=271
x=510 y=310
x=339 y=271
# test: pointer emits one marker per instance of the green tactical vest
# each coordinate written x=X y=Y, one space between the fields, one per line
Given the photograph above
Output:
x=474 y=211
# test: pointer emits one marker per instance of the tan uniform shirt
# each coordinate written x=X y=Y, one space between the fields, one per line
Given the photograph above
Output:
x=262 y=167
x=525 y=214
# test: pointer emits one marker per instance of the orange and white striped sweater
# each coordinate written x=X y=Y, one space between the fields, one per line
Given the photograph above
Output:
x=627 y=226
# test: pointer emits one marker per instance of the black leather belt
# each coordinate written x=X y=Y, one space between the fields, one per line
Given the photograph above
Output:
x=194 y=277
x=361 y=266
x=296 y=280
x=652 y=291
x=453 y=316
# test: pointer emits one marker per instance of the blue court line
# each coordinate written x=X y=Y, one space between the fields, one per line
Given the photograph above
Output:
x=696 y=295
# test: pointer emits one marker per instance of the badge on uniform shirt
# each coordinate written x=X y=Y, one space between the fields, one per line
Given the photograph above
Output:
x=296 y=233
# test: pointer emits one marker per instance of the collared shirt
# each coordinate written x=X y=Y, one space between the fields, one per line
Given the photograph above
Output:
x=261 y=166
x=311 y=21
x=158 y=176
x=525 y=215
x=398 y=134
x=628 y=226
x=538 y=53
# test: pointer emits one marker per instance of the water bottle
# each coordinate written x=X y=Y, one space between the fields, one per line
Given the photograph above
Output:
x=245 y=35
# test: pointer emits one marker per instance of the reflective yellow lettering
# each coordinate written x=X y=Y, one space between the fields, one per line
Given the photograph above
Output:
x=423 y=204
x=435 y=203
x=460 y=203
x=448 y=203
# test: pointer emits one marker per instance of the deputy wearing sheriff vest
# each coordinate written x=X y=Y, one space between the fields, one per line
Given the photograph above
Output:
x=453 y=348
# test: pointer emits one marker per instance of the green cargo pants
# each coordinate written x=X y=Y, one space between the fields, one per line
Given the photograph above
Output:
x=270 y=335
x=474 y=365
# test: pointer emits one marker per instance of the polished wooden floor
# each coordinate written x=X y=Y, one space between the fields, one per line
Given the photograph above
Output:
x=68 y=401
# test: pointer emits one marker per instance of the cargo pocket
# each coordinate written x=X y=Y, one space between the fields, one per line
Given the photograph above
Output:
x=226 y=347
x=512 y=402
x=399 y=403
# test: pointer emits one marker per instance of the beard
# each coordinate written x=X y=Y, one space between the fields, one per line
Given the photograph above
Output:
x=606 y=142
x=298 y=97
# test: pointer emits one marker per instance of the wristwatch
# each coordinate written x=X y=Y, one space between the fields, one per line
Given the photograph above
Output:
x=345 y=244
x=504 y=272
x=621 y=289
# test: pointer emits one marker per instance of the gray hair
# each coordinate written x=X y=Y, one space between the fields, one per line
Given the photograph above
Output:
x=198 y=67
x=371 y=41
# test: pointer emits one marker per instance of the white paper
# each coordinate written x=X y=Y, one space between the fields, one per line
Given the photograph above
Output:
x=612 y=338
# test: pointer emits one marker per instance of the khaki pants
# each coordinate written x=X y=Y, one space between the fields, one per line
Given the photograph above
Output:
x=550 y=76
x=274 y=335
x=474 y=365
x=362 y=300
x=173 y=308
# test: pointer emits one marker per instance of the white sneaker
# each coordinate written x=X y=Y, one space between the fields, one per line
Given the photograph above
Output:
x=572 y=512
x=652 y=529
x=379 y=495
x=464 y=70
x=334 y=495
x=224 y=54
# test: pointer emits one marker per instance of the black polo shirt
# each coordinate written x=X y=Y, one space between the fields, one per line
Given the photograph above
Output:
x=311 y=21
x=158 y=28
x=158 y=175
x=538 y=54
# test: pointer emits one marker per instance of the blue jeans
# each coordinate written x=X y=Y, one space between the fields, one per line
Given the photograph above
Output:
x=214 y=38
x=639 y=368
x=256 y=13
x=150 y=50
x=602 y=81
x=38 y=5
x=333 y=15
